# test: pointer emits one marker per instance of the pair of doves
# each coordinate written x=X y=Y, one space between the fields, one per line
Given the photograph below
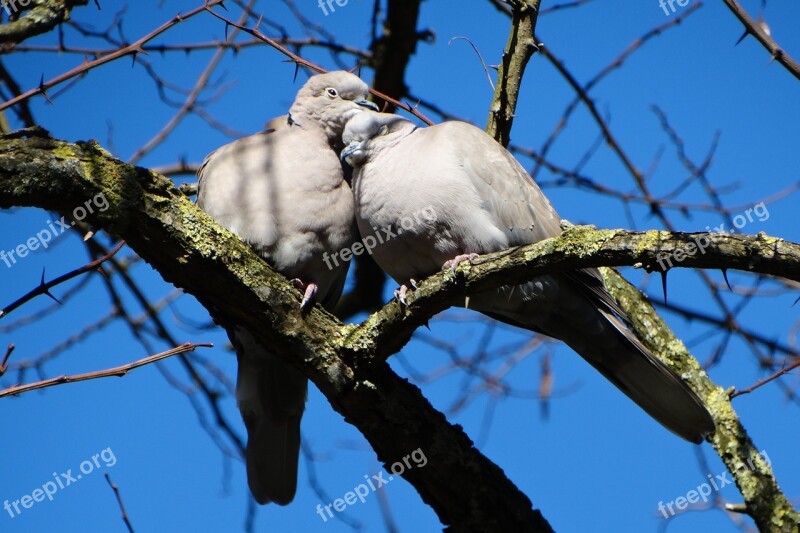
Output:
x=285 y=191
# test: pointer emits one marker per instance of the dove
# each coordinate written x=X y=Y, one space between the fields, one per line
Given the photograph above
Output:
x=284 y=192
x=481 y=200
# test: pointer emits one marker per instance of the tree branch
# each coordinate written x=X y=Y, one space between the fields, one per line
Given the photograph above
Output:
x=519 y=49
x=753 y=28
x=347 y=363
x=132 y=49
x=117 y=371
x=764 y=501
x=188 y=249
x=43 y=17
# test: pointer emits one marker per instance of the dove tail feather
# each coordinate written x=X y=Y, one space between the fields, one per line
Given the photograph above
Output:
x=271 y=395
x=566 y=310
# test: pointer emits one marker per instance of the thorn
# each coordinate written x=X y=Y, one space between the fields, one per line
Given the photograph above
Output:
x=102 y=272
x=43 y=91
x=47 y=293
x=97 y=3
x=664 y=284
x=427 y=326
x=296 y=71
x=795 y=303
x=3 y=366
x=226 y=30
x=725 y=275
x=745 y=34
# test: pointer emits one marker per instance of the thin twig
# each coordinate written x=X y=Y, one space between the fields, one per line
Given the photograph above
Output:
x=115 y=488
x=133 y=48
x=3 y=365
x=313 y=66
x=191 y=101
x=44 y=288
x=117 y=371
x=764 y=381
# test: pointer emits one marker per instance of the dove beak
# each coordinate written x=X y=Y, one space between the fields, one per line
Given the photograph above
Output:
x=349 y=151
x=366 y=103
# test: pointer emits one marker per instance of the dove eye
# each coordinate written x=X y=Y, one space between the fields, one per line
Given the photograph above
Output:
x=333 y=93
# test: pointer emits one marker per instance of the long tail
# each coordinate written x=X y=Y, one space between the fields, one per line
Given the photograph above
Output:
x=271 y=396
x=576 y=309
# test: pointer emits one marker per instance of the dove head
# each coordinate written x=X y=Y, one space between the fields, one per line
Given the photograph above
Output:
x=329 y=100
x=368 y=132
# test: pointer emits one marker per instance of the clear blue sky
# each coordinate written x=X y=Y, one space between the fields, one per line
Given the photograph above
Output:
x=597 y=463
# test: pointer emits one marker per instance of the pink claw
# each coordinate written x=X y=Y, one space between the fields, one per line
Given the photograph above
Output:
x=309 y=293
x=453 y=263
x=400 y=294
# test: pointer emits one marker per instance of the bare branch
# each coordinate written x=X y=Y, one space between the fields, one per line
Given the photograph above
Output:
x=519 y=49
x=753 y=28
x=44 y=287
x=115 y=488
x=117 y=371
x=131 y=49
x=764 y=381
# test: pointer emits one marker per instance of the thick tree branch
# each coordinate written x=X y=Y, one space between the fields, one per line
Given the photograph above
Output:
x=44 y=15
x=467 y=491
x=347 y=363
x=764 y=501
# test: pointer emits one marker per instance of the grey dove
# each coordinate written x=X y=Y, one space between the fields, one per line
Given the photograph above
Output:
x=283 y=191
x=482 y=200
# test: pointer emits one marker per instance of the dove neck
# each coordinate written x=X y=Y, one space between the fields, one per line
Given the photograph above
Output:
x=329 y=124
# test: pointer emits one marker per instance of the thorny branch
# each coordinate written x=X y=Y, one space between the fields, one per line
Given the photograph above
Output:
x=132 y=49
x=117 y=371
x=752 y=27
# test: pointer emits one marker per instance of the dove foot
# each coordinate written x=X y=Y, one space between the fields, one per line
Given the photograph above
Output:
x=401 y=293
x=309 y=293
x=453 y=263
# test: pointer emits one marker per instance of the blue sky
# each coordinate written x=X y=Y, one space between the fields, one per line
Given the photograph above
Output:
x=596 y=463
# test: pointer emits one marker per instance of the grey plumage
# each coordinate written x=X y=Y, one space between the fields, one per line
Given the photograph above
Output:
x=482 y=201
x=283 y=191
